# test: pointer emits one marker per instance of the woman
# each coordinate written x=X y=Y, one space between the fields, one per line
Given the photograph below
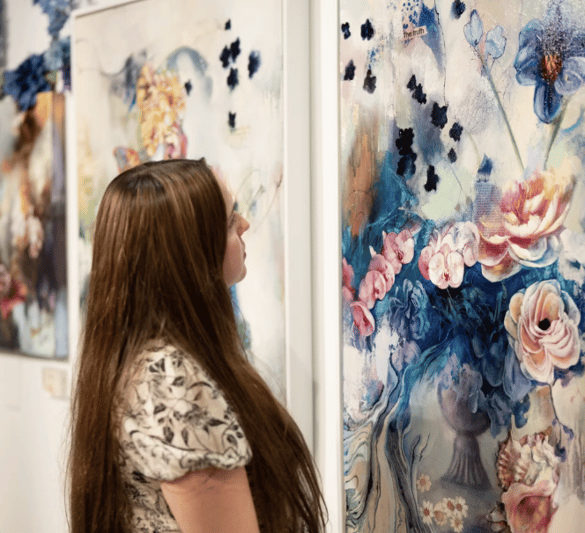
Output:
x=163 y=383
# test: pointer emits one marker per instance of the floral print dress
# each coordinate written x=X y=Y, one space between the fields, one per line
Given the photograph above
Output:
x=174 y=420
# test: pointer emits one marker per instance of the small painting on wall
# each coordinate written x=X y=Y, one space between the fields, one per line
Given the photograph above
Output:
x=158 y=80
x=463 y=244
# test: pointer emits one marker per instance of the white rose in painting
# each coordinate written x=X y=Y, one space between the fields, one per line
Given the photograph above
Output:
x=542 y=322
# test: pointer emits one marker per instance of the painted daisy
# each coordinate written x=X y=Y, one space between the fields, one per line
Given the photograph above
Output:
x=427 y=512
x=457 y=524
x=423 y=483
x=440 y=514
x=460 y=507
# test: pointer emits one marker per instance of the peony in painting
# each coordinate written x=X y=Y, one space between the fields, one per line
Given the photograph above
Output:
x=175 y=79
x=463 y=260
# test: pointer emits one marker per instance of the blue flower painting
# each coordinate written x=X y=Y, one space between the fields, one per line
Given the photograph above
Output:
x=463 y=260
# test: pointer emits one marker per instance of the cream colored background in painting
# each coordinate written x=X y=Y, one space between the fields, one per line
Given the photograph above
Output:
x=250 y=157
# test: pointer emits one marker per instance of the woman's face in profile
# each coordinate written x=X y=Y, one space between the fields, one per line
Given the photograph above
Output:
x=234 y=267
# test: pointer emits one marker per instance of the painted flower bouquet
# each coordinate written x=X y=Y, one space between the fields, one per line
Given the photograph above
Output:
x=475 y=304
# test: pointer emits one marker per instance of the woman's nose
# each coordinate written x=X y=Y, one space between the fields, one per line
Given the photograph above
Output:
x=244 y=226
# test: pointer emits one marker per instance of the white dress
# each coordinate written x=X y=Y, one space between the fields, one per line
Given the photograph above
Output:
x=174 y=420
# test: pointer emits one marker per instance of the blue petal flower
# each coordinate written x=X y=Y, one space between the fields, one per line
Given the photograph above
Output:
x=473 y=30
x=572 y=76
x=495 y=42
x=527 y=62
x=552 y=59
x=547 y=102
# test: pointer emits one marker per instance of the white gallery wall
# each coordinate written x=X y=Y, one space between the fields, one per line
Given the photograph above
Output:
x=33 y=408
x=32 y=418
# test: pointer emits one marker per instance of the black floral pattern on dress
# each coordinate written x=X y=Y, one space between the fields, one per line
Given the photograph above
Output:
x=173 y=420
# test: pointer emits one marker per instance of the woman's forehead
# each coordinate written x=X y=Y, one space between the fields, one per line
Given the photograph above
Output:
x=227 y=195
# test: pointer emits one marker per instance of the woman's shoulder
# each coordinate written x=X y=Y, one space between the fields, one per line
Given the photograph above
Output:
x=172 y=409
x=161 y=359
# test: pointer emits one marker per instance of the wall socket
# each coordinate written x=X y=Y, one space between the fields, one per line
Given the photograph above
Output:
x=55 y=382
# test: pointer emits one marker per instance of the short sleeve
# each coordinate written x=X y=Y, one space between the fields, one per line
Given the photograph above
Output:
x=175 y=419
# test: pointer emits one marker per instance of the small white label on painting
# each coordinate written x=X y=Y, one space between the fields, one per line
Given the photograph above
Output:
x=421 y=31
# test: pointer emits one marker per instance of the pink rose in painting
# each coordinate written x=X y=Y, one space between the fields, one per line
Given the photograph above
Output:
x=398 y=249
x=524 y=229
x=542 y=322
x=372 y=288
x=444 y=259
x=347 y=277
x=362 y=318
x=529 y=509
x=528 y=471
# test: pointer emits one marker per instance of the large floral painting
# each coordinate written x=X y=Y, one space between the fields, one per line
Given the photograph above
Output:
x=463 y=244
x=157 y=80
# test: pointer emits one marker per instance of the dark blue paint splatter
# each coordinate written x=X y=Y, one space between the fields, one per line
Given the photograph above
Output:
x=367 y=30
x=452 y=155
x=228 y=25
x=406 y=164
x=417 y=90
x=370 y=82
x=405 y=140
x=253 y=62
x=235 y=49
x=232 y=120
x=188 y=87
x=232 y=79
x=457 y=9
x=432 y=179
x=486 y=166
x=230 y=53
x=349 y=71
x=456 y=131
x=439 y=115
x=345 y=30
x=224 y=57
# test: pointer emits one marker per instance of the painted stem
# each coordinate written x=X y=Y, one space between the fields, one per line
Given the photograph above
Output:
x=557 y=126
x=500 y=105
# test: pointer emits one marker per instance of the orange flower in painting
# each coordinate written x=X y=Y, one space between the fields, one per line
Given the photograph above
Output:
x=543 y=325
x=525 y=228
x=160 y=98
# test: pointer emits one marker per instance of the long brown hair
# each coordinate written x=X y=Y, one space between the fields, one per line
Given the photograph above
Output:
x=157 y=272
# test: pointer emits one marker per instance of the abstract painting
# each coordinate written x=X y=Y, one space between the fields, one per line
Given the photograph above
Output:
x=175 y=79
x=33 y=273
x=463 y=258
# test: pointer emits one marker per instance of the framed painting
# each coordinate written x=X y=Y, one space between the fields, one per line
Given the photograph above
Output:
x=33 y=272
x=214 y=73
x=463 y=259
